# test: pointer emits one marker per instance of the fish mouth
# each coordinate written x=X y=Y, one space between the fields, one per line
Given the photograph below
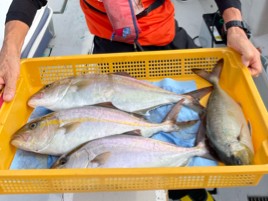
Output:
x=16 y=141
x=35 y=98
x=20 y=138
x=38 y=100
x=241 y=157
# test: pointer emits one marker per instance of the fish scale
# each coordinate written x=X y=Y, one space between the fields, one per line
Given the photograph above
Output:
x=226 y=127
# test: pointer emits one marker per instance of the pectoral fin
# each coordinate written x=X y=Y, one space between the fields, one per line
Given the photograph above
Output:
x=70 y=127
x=101 y=159
x=250 y=128
x=82 y=84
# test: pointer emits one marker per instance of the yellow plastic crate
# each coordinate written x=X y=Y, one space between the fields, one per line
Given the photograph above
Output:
x=151 y=66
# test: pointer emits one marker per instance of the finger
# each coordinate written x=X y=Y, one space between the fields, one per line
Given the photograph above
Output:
x=1 y=87
x=253 y=72
x=9 y=90
x=255 y=68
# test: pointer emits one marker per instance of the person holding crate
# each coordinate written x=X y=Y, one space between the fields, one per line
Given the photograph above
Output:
x=147 y=25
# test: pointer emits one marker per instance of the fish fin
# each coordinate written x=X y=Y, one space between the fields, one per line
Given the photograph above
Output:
x=250 y=128
x=216 y=72
x=212 y=77
x=101 y=158
x=197 y=107
x=196 y=97
x=202 y=73
x=70 y=127
x=186 y=124
x=106 y=104
x=81 y=84
x=173 y=113
x=140 y=116
x=134 y=132
x=73 y=89
x=201 y=134
x=144 y=112
x=199 y=93
x=122 y=74
x=240 y=133
x=111 y=105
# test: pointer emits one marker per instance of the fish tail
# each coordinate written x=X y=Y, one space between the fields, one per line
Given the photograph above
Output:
x=173 y=113
x=185 y=124
x=195 y=97
x=171 y=118
x=212 y=77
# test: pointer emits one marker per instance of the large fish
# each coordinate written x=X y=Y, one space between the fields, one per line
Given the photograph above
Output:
x=129 y=151
x=226 y=126
x=123 y=92
x=60 y=132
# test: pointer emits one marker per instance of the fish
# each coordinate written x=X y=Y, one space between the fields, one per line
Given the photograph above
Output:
x=62 y=131
x=129 y=151
x=227 y=129
x=115 y=90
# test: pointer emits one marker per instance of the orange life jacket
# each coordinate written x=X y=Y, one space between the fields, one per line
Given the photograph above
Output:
x=157 y=28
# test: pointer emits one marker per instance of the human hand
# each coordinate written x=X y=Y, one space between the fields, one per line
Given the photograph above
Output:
x=9 y=71
x=237 y=39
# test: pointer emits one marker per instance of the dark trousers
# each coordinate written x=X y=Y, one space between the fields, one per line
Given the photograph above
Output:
x=181 y=41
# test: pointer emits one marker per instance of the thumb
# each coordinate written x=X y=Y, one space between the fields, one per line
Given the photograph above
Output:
x=9 y=90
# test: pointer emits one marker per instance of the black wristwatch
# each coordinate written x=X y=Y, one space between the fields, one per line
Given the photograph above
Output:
x=240 y=24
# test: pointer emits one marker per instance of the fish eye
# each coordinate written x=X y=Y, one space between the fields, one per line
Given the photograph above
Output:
x=63 y=161
x=33 y=125
x=47 y=86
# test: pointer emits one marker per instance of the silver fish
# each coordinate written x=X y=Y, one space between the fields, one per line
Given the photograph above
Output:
x=60 y=132
x=129 y=151
x=122 y=92
x=226 y=126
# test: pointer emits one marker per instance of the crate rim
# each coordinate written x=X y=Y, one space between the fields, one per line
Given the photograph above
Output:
x=198 y=170
x=45 y=176
x=158 y=52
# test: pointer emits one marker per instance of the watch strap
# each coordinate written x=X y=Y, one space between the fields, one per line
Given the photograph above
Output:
x=240 y=24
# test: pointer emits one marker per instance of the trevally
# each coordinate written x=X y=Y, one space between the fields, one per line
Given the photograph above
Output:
x=226 y=127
